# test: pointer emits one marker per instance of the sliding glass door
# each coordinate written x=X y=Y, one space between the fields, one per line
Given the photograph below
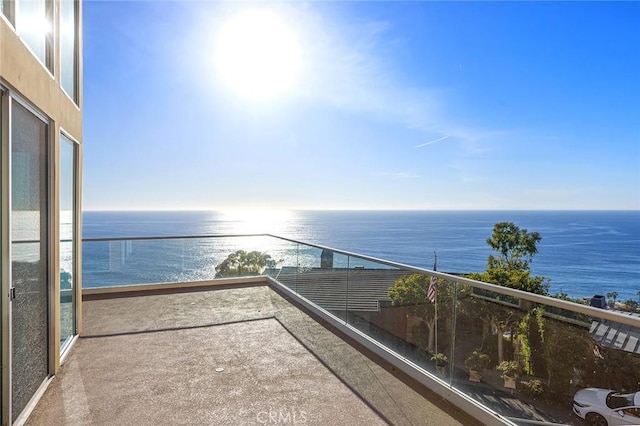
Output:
x=4 y=166
x=29 y=256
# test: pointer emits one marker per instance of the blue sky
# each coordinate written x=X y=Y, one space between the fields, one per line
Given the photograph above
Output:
x=396 y=105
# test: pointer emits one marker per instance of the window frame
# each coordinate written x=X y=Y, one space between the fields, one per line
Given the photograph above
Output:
x=75 y=96
x=65 y=137
x=13 y=99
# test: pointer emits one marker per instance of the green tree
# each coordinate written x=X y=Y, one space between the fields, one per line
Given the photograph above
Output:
x=529 y=338
x=613 y=295
x=495 y=316
x=515 y=245
x=516 y=248
x=510 y=268
x=410 y=292
x=242 y=263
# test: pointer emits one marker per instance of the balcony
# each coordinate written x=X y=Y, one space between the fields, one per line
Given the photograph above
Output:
x=239 y=354
x=321 y=336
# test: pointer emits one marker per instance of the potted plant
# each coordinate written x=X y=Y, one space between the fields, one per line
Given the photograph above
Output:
x=510 y=370
x=476 y=362
x=441 y=360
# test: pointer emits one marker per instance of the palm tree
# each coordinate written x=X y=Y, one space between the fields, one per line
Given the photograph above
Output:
x=609 y=297
x=613 y=295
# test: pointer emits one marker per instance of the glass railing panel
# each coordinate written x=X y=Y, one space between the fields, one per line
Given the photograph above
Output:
x=285 y=266
x=128 y=262
x=370 y=307
x=162 y=260
x=529 y=359
x=322 y=279
x=446 y=309
x=496 y=344
x=405 y=319
x=243 y=255
x=587 y=351
x=283 y=260
x=368 y=296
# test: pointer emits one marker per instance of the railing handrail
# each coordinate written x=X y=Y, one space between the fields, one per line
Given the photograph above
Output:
x=174 y=237
x=531 y=297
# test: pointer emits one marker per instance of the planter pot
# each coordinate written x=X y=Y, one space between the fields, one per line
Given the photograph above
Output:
x=441 y=370
x=474 y=376
x=510 y=382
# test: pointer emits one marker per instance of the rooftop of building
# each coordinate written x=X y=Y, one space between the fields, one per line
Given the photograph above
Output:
x=230 y=355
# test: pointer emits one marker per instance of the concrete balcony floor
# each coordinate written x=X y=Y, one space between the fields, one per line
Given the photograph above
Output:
x=232 y=356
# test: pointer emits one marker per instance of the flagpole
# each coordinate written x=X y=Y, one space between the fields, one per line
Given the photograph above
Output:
x=435 y=266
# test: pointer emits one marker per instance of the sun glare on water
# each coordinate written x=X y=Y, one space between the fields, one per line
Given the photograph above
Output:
x=257 y=55
x=257 y=221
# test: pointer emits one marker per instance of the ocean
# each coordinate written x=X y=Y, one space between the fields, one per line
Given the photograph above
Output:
x=582 y=252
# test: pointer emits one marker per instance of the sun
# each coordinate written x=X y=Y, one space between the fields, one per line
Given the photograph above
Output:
x=257 y=55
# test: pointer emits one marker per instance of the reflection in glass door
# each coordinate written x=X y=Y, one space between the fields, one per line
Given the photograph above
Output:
x=3 y=110
x=29 y=254
x=67 y=240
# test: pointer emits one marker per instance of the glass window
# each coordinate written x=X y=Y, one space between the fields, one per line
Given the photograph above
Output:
x=5 y=9
x=33 y=25
x=634 y=412
x=68 y=48
x=67 y=239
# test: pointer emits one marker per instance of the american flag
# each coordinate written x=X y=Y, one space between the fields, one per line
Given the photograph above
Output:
x=431 y=293
x=433 y=284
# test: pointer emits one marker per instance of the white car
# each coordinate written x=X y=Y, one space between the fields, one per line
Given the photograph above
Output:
x=604 y=407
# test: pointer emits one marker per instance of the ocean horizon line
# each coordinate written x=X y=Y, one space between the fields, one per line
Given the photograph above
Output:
x=135 y=210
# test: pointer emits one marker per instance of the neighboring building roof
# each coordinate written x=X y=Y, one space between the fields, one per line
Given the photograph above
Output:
x=615 y=335
x=329 y=287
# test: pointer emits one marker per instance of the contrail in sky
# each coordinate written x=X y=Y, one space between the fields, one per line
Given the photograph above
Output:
x=433 y=141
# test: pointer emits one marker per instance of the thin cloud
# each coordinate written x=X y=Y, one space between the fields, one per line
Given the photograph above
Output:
x=399 y=175
x=432 y=142
x=351 y=72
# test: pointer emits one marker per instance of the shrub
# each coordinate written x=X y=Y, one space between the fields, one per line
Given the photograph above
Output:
x=533 y=388
x=509 y=369
x=440 y=359
x=477 y=360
